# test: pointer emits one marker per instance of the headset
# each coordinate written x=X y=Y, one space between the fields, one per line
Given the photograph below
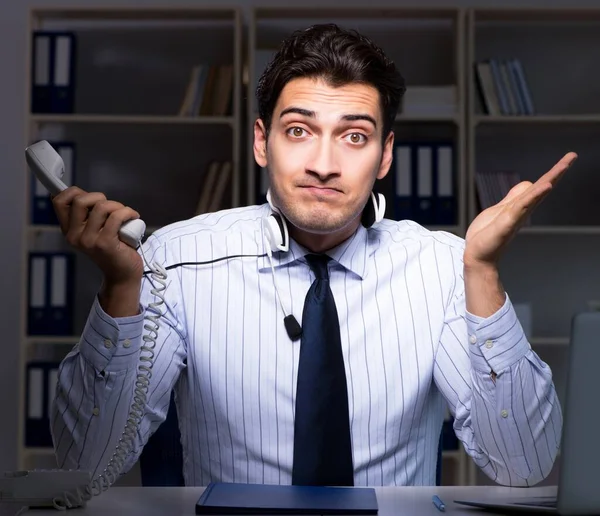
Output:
x=278 y=235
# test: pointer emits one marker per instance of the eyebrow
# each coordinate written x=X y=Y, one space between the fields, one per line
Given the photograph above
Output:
x=312 y=114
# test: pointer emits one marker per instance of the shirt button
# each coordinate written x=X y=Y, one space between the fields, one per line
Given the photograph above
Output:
x=107 y=343
x=504 y=413
x=126 y=343
x=96 y=411
x=473 y=339
x=489 y=344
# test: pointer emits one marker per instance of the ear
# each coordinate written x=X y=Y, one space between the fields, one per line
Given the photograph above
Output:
x=260 y=143
x=387 y=156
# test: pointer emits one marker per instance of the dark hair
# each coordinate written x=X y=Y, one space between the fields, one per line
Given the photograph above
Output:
x=339 y=56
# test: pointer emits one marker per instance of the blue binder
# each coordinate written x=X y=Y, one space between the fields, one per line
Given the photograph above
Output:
x=41 y=72
x=424 y=183
x=42 y=210
x=445 y=184
x=414 y=181
x=50 y=295
x=53 y=72
x=39 y=394
x=230 y=498
x=403 y=169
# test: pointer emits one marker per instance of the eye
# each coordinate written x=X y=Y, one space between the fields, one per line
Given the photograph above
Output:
x=296 y=132
x=357 y=138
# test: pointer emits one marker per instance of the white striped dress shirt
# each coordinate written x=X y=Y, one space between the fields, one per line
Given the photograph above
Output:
x=409 y=348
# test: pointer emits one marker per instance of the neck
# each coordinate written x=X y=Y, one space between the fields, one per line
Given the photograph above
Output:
x=319 y=243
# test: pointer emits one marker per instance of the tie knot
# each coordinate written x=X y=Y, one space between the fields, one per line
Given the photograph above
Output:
x=318 y=264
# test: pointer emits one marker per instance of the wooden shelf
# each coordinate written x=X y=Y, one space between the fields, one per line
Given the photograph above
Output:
x=356 y=12
x=132 y=119
x=133 y=13
x=560 y=230
x=549 y=341
x=59 y=340
x=536 y=14
x=448 y=229
x=29 y=451
x=455 y=119
x=451 y=454
x=42 y=228
x=537 y=119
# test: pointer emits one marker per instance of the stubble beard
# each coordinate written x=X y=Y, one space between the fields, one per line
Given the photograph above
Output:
x=320 y=218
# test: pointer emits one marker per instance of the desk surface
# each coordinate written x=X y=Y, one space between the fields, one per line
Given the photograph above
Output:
x=393 y=501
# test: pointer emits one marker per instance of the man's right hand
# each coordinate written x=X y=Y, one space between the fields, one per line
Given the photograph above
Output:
x=90 y=224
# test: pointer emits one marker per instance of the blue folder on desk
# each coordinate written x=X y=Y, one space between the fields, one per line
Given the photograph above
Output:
x=229 y=498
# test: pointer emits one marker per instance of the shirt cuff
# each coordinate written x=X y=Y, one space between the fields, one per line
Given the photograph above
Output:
x=111 y=344
x=498 y=341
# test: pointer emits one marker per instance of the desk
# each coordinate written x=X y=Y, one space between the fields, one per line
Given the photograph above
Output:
x=393 y=501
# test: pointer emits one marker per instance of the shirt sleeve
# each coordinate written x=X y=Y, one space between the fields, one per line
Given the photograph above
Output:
x=510 y=425
x=102 y=381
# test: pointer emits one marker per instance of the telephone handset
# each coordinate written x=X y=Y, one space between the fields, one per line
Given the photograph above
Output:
x=48 y=166
x=70 y=490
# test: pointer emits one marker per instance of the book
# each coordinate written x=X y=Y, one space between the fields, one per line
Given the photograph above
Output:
x=230 y=498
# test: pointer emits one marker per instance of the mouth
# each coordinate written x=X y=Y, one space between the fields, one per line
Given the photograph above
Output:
x=321 y=190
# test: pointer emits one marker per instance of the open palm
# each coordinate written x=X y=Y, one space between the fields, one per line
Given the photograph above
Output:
x=495 y=226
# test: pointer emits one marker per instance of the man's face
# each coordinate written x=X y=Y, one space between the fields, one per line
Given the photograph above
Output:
x=323 y=153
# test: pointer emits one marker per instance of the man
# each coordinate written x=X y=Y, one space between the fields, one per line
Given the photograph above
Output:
x=408 y=319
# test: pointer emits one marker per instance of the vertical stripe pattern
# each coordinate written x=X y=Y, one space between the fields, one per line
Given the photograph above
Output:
x=409 y=348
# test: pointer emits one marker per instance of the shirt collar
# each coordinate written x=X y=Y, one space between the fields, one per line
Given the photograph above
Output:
x=352 y=254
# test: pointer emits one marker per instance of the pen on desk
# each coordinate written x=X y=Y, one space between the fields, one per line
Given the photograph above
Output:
x=438 y=503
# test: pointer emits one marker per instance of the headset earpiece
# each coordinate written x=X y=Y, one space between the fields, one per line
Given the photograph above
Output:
x=277 y=231
x=374 y=210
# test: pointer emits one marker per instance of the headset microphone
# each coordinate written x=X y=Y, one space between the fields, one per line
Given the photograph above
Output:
x=292 y=326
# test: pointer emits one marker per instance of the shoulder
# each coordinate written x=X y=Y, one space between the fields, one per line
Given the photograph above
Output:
x=411 y=234
x=247 y=218
x=416 y=248
x=208 y=231
x=433 y=257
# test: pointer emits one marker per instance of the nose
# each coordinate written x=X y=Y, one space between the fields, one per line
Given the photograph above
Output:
x=322 y=161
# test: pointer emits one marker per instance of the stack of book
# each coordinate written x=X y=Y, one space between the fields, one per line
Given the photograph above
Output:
x=212 y=192
x=503 y=88
x=209 y=91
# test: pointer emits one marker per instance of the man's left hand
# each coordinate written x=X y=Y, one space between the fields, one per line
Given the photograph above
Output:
x=495 y=226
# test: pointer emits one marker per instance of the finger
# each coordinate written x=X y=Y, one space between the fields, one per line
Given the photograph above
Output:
x=114 y=222
x=95 y=221
x=526 y=202
x=62 y=205
x=558 y=170
x=529 y=198
x=80 y=208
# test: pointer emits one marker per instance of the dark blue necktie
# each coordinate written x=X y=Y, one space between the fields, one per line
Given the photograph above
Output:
x=322 y=445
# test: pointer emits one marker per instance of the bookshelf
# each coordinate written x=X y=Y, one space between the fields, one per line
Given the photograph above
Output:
x=132 y=145
x=439 y=35
x=131 y=141
x=551 y=263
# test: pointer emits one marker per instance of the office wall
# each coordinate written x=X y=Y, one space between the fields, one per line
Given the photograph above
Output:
x=13 y=15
